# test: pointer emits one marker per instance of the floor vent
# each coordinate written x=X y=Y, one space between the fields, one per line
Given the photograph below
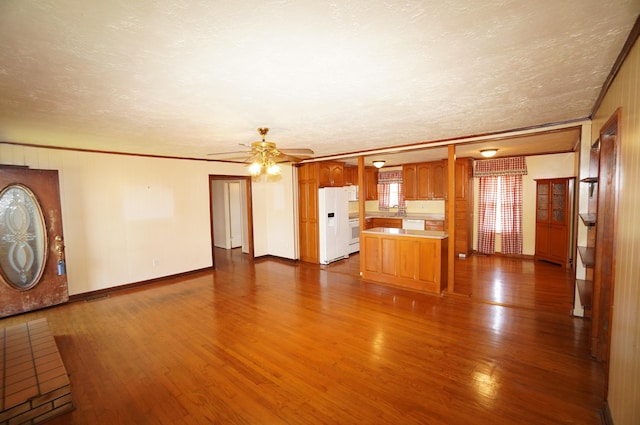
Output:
x=96 y=298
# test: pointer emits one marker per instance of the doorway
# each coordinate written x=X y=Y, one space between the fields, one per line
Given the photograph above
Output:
x=32 y=262
x=231 y=214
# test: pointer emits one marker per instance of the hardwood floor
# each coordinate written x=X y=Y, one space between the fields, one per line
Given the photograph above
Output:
x=516 y=283
x=275 y=342
x=502 y=280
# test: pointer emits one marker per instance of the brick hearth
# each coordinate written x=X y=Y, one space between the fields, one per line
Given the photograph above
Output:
x=34 y=385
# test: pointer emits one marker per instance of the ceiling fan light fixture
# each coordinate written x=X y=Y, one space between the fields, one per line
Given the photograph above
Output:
x=255 y=169
x=378 y=163
x=488 y=153
x=273 y=169
x=264 y=165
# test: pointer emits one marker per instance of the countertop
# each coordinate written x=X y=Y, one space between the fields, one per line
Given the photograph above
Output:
x=410 y=216
x=431 y=234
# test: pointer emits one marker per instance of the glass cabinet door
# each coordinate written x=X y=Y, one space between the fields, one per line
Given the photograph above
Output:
x=542 y=204
x=558 y=202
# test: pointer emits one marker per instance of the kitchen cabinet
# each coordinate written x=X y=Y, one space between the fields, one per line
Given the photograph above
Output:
x=412 y=261
x=308 y=213
x=311 y=177
x=554 y=201
x=424 y=181
x=389 y=222
x=370 y=183
x=331 y=174
x=422 y=188
x=437 y=225
x=350 y=175
x=396 y=223
x=438 y=180
x=410 y=181
x=464 y=206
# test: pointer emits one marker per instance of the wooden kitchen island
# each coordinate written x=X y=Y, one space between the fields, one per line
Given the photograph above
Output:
x=413 y=259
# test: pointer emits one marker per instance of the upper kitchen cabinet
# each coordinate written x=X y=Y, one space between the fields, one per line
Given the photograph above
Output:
x=370 y=183
x=426 y=180
x=437 y=180
x=410 y=181
x=350 y=175
x=331 y=174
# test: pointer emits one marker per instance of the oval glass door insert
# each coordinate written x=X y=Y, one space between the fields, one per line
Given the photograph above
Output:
x=23 y=237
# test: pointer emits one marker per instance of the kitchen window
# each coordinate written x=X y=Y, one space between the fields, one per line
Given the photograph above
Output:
x=390 y=193
x=393 y=195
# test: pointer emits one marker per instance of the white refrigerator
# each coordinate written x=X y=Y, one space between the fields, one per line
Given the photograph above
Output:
x=333 y=209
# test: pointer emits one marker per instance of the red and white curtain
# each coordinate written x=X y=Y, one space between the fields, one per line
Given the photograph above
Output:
x=385 y=179
x=509 y=172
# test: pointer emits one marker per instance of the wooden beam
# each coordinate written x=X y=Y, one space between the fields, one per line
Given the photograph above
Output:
x=451 y=218
x=361 y=207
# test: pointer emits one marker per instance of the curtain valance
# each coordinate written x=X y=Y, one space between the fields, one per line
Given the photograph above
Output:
x=514 y=166
x=390 y=177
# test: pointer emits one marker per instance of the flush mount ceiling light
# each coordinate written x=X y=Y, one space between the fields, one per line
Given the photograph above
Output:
x=488 y=153
x=378 y=163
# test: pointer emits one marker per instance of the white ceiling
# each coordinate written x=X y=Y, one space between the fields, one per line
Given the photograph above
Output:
x=191 y=77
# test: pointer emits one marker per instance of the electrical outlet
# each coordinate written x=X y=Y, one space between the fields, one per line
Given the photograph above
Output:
x=155 y=262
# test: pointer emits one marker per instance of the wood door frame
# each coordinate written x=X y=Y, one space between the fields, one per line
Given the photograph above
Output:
x=604 y=271
x=247 y=180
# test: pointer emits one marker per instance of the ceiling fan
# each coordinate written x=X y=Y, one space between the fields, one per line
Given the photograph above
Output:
x=264 y=155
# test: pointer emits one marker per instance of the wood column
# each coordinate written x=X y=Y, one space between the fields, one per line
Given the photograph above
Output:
x=451 y=219
x=361 y=208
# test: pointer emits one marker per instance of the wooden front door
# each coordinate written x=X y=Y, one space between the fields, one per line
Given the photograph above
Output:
x=32 y=264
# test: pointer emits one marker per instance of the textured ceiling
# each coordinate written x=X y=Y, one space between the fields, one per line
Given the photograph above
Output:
x=192 y=77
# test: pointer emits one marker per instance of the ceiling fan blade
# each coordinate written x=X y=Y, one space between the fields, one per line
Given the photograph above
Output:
x=229 y=153
x=248 y=150
x=251 y=158
x=287 y=158
x=234 y=159
x=297 y=152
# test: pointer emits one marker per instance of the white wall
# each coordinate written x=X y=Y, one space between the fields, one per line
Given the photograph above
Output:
x=128 y=218
x=220 y=210
x=235 y=215
x=278 y=194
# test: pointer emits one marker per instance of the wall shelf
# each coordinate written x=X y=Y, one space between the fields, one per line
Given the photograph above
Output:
x=592 y=181
x=585 y=292
x=588 y=255
x=588 y=219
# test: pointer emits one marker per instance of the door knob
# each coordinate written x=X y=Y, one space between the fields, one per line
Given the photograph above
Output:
x=59 y=248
